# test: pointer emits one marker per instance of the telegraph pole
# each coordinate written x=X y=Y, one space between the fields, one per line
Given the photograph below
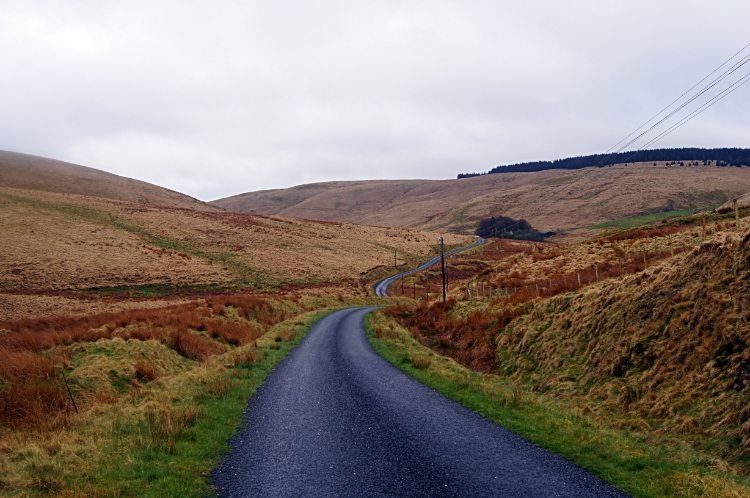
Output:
x=442 y=262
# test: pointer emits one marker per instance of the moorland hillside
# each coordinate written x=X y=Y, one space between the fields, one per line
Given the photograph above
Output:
x=29 y=172
x=550 y=200
x=70 y=243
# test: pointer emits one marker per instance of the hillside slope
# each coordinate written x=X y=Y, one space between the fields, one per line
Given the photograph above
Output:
x=64 y=242
x=663 y=352
x=551 y=200
x=38 y=173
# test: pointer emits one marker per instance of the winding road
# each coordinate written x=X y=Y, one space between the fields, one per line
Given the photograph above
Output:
x=381 y=287
x=334 y=419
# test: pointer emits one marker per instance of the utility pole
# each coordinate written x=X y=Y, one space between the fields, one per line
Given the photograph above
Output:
x=442 y=262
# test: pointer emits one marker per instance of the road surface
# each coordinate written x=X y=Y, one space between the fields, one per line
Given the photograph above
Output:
x=335 y=419
x=381 y=288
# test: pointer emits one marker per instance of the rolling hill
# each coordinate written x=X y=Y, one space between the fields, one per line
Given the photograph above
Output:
x=554 y=200
x=69 y=231
x=28 y=172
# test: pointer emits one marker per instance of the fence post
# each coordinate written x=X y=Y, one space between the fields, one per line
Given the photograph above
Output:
x=579 y=279
x=68 y=387
x=644 y=257
x=671 y=244
x=596 y=267
x=737 y=213
x=704 y=227
x=565 y=281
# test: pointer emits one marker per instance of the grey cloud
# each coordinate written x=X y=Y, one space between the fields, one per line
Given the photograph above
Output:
x=215 y=99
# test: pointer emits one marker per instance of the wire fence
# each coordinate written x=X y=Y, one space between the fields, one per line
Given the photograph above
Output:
x=561 y=282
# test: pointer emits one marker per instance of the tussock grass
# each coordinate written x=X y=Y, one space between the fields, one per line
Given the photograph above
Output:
x=158 y=395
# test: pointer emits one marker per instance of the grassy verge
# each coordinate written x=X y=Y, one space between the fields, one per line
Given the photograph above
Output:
x=153 y=421
x=643 y=466
x=141 y=461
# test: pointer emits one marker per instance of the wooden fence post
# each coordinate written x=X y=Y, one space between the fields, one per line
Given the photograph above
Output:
x=644 y=257
x=671 y=244
x=579 y=279
x=737 y=213
x=596 y=267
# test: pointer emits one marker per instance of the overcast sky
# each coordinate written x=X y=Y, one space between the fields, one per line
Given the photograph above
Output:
x=218 y=98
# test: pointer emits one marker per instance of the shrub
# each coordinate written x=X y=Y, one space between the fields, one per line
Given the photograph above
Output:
x=145 y=372
x=192 y=346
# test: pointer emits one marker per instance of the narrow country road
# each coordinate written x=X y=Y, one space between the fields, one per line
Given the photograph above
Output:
x=381 y=287
x=335 y=419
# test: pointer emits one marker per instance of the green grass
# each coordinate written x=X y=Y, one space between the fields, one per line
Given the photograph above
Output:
x=636 y=221
x=128 y=469
x=640 y=465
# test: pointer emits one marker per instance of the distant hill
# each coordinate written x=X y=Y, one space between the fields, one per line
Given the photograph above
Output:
x=715 y=157
x=554 y=199
x=48 y=175
x=56 y=242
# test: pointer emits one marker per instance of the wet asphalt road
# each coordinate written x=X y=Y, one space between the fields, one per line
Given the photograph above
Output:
x=381 y=287
x=336 y=420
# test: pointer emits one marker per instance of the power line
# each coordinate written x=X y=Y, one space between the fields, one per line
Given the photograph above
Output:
x=678 y=98
x=744 y=60
x=702 y=108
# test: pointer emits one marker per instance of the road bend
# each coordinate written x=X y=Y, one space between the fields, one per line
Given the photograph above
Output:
x=336 y=420
x=381 y=287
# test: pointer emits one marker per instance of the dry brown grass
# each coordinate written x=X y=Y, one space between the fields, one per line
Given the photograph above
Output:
x=38 y=173
x=549 y=200
x=665 y=351
x=59 y=242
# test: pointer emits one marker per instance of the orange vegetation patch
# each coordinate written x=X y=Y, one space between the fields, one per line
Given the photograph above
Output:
x=35 y=354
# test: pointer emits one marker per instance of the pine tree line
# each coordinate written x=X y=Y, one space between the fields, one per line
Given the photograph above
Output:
x=717 y=157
